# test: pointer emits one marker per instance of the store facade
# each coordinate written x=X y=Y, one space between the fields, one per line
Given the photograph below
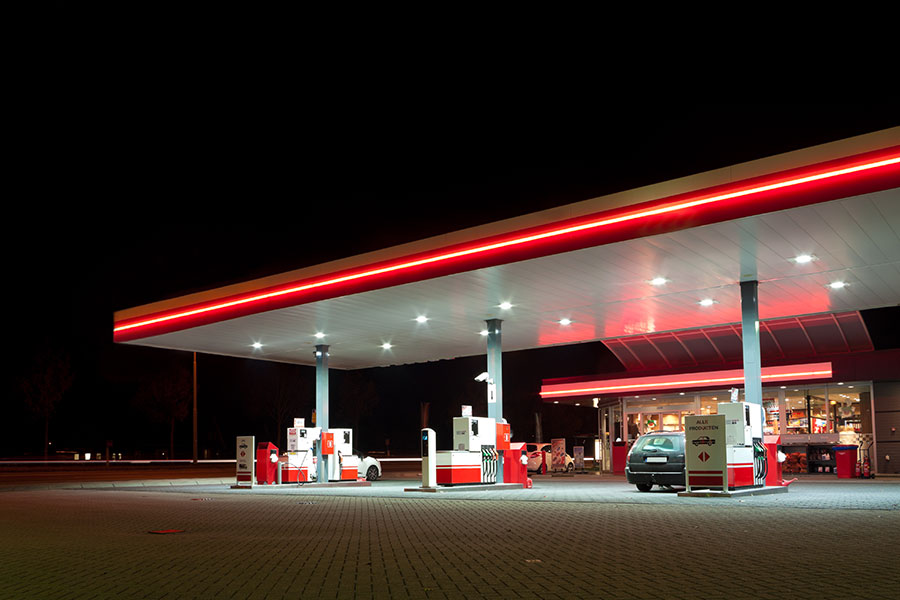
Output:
x=810 y=420
x=855 y=402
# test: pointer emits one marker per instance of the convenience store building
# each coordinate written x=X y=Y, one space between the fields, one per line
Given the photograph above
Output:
x=834 y=390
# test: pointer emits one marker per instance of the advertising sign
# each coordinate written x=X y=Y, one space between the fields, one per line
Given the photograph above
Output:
x=558 y=454
x=578 y=457
x=705 y=457
x=245 y=461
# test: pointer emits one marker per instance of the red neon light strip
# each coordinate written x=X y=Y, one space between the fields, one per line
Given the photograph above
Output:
x=675 y=383
x=503 y=244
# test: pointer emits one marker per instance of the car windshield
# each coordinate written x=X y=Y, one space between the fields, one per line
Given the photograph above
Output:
x=656 y=442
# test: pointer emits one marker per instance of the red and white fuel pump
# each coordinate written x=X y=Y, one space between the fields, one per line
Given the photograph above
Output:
x=344 y=464
x=745 y=453
x=301 y=460
x=474 y=457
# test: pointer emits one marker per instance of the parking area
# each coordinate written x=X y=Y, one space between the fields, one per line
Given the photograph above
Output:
x=581 y=537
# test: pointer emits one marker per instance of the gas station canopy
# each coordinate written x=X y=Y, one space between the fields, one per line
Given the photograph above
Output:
x=819 y=229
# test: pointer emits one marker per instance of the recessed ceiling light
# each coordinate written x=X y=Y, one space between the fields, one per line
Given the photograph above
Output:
x=387 y=346
x=803 y=259
x=659 y=281
x=257 y=345
x=319 y=335
x=421 y=319
x=707 y=302
x=836 y=285
x=556 y=402
x=483 y=332
x=506 y=305
x=578 y=404
x=565 y=321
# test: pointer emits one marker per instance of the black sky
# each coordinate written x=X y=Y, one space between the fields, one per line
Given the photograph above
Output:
x=144 y=173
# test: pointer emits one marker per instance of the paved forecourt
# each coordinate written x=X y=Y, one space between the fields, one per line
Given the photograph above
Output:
x=584 y=538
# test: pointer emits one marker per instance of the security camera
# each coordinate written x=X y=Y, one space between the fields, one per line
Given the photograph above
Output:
x=482 y=376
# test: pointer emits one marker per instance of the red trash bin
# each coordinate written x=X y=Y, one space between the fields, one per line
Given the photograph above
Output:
x=266 y=468
x=619 y=455
x=514 y=470
x=845 y=461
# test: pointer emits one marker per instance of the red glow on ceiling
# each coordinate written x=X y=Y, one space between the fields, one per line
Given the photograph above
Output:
x=722 y=203
x=686 y=381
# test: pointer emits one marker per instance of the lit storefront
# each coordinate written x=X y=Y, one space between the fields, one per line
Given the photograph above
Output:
x=810 y=420
x=804 y=404
x=839 y=410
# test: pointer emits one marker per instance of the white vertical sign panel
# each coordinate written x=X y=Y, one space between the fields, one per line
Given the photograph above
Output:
x=245 y=460
x=705 y=459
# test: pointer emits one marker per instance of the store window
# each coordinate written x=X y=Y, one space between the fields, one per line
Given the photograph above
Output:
x=633 y=428
x=845 y=407
x=651 y=422
x=773 y=420
x=709 y=405
x=672 y=422
x=796 y=415
x=818 y=411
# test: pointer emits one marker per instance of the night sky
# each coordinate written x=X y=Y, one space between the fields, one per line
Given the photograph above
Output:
x=146 y=175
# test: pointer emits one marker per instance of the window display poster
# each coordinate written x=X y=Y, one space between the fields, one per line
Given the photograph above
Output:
x=558 y=454
x=578 y=457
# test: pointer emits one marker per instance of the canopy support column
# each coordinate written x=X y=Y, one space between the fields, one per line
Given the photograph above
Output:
x=495 y=381
x=321 y=407
x=750 y=341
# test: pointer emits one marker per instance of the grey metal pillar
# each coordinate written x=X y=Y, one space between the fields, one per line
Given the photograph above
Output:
x=601 y=435
x=495 y=380
x=750 y=340
x=321 y=407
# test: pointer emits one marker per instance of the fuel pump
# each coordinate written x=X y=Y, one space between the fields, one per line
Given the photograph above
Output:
x=746 y=454
x=429 y=459
x=301 y=446
x=343 y=464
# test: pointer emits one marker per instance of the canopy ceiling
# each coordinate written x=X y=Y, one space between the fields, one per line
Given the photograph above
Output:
x=601 y=285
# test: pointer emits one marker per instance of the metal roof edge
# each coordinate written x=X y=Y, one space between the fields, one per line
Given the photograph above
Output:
x=795 y=159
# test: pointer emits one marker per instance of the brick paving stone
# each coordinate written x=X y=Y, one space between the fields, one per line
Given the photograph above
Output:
x=593 y=540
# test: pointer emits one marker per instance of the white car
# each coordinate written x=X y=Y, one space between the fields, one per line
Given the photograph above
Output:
x=369 y=467
x=542 y=452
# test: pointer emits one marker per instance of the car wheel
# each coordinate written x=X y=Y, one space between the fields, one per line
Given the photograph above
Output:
x=644 y=487
x=372 y=473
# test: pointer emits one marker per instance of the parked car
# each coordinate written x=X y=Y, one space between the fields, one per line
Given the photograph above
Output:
x=369 y=467
x=656 y=459
x=535 y=452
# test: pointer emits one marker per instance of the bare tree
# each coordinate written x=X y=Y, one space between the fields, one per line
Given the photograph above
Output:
x=166 y=398
x=45 y=385
x=359 y=399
